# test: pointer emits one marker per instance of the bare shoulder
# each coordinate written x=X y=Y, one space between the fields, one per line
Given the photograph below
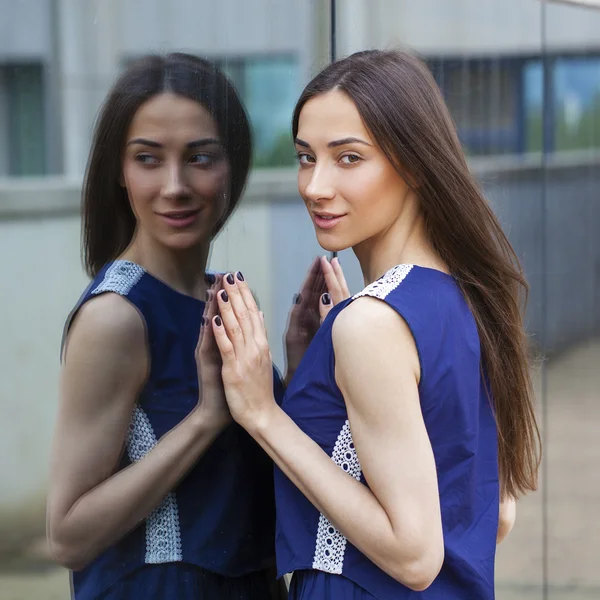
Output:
x=370 y=320
x=370 y=336
x=107 y=323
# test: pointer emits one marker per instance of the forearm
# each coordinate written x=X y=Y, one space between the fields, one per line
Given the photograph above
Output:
x=120 y=503
x=348 y=504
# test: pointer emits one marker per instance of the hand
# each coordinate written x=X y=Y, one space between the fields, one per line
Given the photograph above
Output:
x=324 y=287
x=247 y=370
x=335 y=282
x=209 y=363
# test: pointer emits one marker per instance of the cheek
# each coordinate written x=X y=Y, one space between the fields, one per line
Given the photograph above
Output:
x=213 y=186
x=141 y=188
x=376 y=192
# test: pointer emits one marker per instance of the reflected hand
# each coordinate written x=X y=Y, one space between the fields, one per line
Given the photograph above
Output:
x=324 y=287
x=209 y=363
x=337 y=288
x=247 y=370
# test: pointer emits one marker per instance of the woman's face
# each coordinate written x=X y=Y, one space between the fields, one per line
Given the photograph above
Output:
x=175 y=171
x=351 y=190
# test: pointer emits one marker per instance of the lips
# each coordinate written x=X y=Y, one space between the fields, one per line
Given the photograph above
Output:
x=326 y=220
x=180 y=218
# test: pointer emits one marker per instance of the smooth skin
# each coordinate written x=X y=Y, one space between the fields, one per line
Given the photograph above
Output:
x=173 y=161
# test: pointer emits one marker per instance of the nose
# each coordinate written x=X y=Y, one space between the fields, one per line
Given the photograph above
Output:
x=175 y=185
x=320 y=184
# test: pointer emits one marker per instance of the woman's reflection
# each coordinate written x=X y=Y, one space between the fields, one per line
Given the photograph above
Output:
x=132 y=509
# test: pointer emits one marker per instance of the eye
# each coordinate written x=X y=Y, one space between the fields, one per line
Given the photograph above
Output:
x=202 y=159
x=304 y=158
x=350 y=159
x=147 y=159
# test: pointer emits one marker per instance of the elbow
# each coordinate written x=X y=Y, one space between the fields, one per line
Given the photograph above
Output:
x=67 y=555
x=421 y=570
x=506 y=518
x=421 y=573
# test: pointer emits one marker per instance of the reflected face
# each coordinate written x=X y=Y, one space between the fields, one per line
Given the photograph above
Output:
x=175 y=171
x=351 y=190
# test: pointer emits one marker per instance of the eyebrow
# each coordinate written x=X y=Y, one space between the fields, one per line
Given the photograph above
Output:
x=334 y=143
x=195 y=144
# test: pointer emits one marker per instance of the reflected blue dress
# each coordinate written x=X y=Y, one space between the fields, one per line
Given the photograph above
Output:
x=460 y=423
x=213 y=535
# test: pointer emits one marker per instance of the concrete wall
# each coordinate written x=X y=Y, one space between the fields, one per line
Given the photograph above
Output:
x=465 y=27
x=25 y=29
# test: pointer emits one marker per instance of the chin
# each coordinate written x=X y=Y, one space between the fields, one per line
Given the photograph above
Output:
x=185 y=241
x=332 y=243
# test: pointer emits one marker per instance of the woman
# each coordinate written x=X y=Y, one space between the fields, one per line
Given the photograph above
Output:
x=411 y=413
x=154 y=492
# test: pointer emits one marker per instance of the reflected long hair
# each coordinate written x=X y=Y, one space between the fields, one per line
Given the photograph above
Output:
x=402 y=107
x=108 y=221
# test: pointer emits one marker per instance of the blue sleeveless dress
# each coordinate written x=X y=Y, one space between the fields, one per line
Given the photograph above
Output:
x=213 y=535
x=460 y=423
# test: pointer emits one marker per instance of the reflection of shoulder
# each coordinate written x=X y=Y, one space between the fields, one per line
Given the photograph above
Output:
x=110 y=322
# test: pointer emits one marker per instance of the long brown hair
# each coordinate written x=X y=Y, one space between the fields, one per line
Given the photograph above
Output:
x=401 y=105
x=108 y=221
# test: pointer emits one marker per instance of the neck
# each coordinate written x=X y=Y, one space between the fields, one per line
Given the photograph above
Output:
x=405 y=241
x=183 y=270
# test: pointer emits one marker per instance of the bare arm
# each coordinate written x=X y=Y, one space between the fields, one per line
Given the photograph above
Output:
x=397 y=522
x=507 y=517
x=105 y=365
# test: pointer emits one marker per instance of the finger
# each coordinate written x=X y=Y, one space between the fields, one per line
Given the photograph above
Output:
x=264 y=325
x=333 y=286
x=231 y=285
x=307 y=289
x=210 y=311
x=226 y=347
x=297 y=310
x=325 y=305
x=339 y=273
x=230 y=322
x=203 y=319
x=258 y=325
x=311 y=276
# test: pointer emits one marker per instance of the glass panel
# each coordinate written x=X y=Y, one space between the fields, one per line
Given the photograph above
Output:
x=483 y=96
x=26 y=134
x=572 y=322
x=577 y=100
x=533 y=83
x=58 y=61
x=271 y=88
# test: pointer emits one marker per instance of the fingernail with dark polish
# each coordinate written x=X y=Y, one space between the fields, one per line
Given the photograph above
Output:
x=209 y=278
x=218 y=321
x=326 y=299
x=224 y=296
x=230 y=279
x=297 y=298
x=240 y=276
